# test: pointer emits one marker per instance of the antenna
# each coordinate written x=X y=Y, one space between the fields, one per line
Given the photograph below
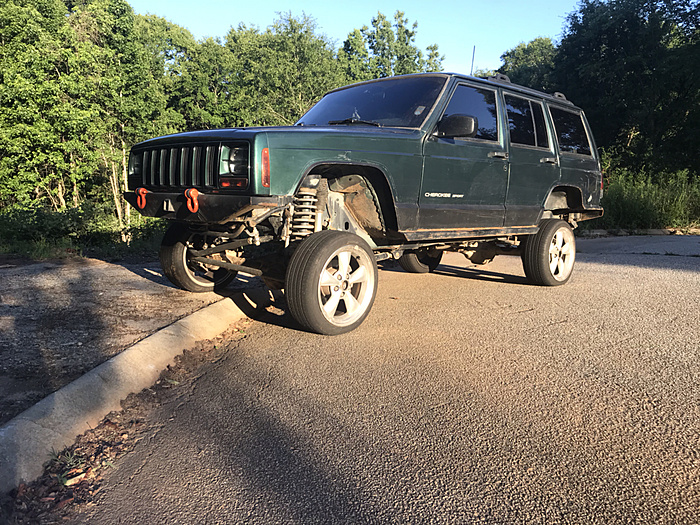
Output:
x=473 y=55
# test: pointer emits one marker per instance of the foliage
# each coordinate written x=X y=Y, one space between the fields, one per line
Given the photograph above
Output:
x=386 y=49
x=634 y=65
x=281 y=72
x=38 y=120
x=86 y=229
x=640 y=201
x=531 y=64
x=82 y=81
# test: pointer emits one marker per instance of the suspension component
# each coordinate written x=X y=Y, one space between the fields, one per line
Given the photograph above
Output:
x=304 y=217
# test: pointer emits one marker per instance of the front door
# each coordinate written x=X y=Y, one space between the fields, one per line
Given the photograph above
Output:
x=465 y=179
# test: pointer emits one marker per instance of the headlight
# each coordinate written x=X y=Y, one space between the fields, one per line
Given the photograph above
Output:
x=233 y=167
x=135 y=164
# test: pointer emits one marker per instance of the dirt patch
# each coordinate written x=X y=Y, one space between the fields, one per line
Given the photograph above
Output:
x=61 y=318
x=73 y=477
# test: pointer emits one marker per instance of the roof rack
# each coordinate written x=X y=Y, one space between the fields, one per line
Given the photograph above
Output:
x=560 y=95
x=499 y=77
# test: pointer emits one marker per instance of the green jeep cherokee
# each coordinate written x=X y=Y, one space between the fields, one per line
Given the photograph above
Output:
x=404 y=167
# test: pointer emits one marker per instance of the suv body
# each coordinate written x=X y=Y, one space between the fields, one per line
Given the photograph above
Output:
x=404 y=167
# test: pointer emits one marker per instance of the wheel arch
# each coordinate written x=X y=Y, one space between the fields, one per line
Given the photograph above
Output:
x=564 y=199
x=567 y=201
x=375 y=178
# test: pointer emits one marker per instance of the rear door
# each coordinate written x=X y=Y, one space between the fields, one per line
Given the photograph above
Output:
x=534 y=164
x=465 y=179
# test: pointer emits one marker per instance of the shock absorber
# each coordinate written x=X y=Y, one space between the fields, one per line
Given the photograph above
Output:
x=304 y=218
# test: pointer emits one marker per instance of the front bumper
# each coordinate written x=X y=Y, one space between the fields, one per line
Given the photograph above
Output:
x=210 y=208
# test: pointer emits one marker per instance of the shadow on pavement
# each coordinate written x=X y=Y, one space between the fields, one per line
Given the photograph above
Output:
x=480 y=275
x=266 y=306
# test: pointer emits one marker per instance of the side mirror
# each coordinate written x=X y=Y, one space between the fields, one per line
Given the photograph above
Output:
x=458 y=126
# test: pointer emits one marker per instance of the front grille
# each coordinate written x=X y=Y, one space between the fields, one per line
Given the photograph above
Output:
x=192 y=166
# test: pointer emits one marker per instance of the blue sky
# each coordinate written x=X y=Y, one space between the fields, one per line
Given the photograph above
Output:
x=456 y=27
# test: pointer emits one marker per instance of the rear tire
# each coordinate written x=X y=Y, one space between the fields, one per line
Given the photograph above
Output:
x=549 y=255
x=420 y=261
x=183 y=273
x=331 y=282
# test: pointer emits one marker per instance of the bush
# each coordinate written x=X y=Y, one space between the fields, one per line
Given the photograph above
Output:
x=636 y=201
x=90 y=229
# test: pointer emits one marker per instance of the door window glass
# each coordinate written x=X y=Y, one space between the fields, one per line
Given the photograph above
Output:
x=479 y=103
x=571 y=132
x=526 y=122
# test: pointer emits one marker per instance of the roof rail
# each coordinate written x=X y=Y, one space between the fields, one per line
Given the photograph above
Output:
x=560 y=95
x=499 y=77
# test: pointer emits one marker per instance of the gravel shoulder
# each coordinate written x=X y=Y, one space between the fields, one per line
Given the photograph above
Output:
x=62 y=318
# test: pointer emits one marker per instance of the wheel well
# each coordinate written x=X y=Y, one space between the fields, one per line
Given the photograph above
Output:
x=375 y=180
x=564 y=198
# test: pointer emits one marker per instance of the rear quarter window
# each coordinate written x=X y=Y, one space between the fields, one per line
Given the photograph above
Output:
x=570 y=131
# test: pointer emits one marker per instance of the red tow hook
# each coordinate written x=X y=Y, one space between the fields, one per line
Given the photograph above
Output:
x=141 y=197
x=191 y=195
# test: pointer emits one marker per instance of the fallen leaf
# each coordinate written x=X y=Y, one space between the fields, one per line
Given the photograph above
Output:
x=63 y=503
x=75 y=480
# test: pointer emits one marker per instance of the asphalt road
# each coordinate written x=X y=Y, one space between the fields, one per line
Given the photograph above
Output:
x=467 y=396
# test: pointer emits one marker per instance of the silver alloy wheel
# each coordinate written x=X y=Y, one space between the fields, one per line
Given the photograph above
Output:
x=562 y=253
x=181 y=271
x=202 y=274
x=346 y=286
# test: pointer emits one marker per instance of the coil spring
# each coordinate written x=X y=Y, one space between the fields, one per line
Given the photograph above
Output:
x=304 y=218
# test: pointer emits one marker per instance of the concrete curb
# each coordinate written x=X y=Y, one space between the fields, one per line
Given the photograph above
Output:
x=27 y=441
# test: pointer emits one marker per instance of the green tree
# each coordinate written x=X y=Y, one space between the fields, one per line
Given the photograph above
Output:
x=126 y=100
x=531 y=64
x=634 y=66
x=204 y=87
x=37 y=118
x=281 y=72
x=386 y=49
x=354 y=57
x=166 y=46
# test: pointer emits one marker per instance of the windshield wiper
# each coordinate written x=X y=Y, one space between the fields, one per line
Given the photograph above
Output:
x=354 y=121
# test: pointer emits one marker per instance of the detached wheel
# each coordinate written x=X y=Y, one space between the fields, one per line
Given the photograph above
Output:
x=423 y=261
x=549 y=255
x=186 y=274
x=331 y=282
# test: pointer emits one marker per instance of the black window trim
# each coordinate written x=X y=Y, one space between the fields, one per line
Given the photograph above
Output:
x=500 y=141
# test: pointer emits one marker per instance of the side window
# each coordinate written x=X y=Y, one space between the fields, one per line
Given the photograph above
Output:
x=479 y=103
x=526 y=122
x=570 y=132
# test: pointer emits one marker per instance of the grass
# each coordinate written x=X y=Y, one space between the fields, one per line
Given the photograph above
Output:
x=89 y=230
x=638 y=201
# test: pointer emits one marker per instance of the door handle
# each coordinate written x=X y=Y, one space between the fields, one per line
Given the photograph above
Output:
x=548 y=160
x=498 y=155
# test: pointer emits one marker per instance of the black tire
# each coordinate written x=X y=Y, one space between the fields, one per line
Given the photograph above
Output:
x=331 y=282
x=549 y=255
x=421 y=261
x=183 y=273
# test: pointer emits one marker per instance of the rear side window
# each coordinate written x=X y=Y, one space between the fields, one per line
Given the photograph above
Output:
x=571 y=132
x=526 y=122
x=479 y=103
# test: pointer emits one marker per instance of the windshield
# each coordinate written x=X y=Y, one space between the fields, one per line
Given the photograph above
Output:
x=396 y=102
